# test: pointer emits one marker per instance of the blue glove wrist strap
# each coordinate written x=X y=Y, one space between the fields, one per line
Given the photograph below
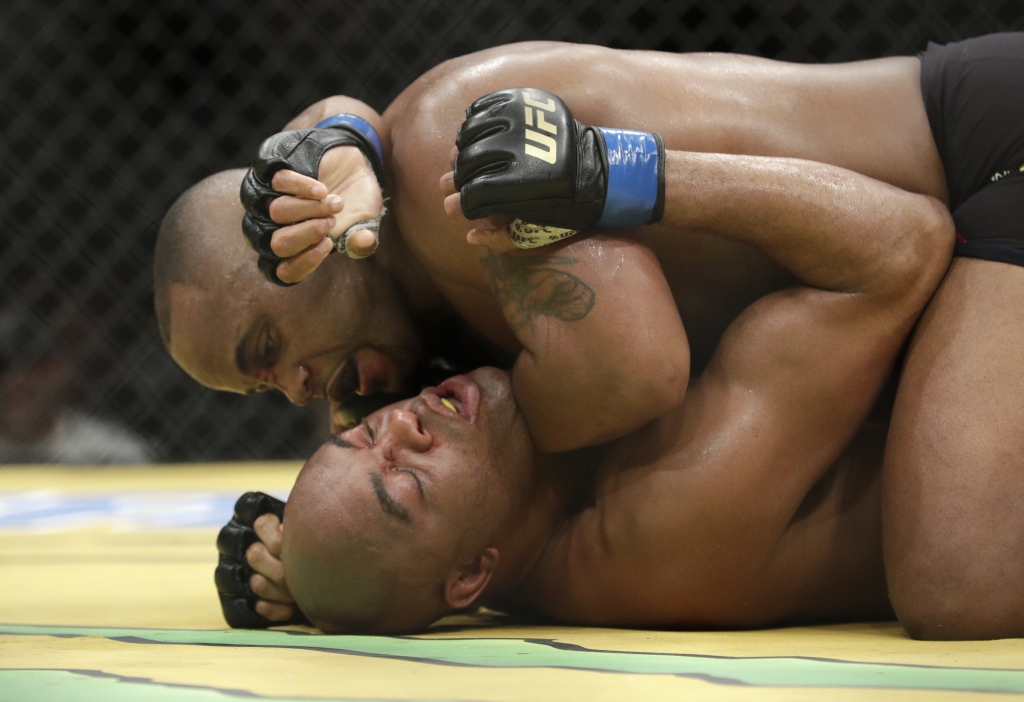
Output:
x=360 y=125
x=635 y=179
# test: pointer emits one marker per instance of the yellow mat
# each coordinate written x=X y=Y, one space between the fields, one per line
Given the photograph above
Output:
x=106 y=594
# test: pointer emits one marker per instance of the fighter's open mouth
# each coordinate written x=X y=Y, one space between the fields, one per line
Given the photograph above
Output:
x=461 y=393
x=345 y=382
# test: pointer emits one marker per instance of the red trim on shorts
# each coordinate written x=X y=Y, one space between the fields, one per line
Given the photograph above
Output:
x=960 y=239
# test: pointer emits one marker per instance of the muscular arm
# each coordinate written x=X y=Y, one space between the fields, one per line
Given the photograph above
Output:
x=694 y=514
x=604 y=350
x=832 y=228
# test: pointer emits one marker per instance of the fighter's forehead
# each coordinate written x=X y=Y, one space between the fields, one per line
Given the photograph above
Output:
x=205 y=330
x=335 y=500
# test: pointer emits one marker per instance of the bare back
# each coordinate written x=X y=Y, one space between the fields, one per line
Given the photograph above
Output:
x=866 y=116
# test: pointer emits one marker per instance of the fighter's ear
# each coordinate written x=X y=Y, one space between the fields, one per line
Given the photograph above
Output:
x=466 y=583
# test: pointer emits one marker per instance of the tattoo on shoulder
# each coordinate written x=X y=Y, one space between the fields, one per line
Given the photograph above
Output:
x=528 y=288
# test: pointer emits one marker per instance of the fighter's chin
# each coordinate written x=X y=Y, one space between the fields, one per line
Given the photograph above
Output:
x=494 y=382
x=495 y=390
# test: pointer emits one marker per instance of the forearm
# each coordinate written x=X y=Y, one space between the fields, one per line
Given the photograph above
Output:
x=832 y=228
x=335 y=105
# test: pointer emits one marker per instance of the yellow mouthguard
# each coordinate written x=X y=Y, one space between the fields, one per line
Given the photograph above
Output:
x=449 y=405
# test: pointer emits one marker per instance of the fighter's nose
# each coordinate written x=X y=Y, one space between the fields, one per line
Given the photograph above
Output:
x=404 y=428
x=296 y=385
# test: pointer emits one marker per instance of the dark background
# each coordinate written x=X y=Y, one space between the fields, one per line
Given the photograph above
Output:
x=109 y=110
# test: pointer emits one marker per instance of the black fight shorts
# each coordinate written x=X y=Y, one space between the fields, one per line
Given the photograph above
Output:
x=974 y=95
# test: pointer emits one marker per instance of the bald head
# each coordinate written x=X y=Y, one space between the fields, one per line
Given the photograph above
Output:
x=200 y=239
x=351 y=568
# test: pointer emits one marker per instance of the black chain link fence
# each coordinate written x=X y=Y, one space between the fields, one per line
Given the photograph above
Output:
x=110 y=109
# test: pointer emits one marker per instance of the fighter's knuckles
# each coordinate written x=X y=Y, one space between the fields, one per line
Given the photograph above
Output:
x=255 y=195
x=479 y=160
x=497 y=99
x=256 y=554
x=267 y=590
x=296 y=268
x=240 y=615
x=294 y=239
x=269 y=567
x=292 y=183
x=232 y=579
x=234 y=539
x=268 y=528
x=453 y=205
x=290 y=274
x=288 y=209
x=447 y=183
x=268 y=266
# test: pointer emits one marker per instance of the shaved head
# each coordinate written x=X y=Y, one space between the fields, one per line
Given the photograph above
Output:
x=200 y=239
x=353 y=568
x=401 y=520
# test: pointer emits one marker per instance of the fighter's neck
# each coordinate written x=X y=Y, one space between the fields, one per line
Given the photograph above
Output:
x=562 y=487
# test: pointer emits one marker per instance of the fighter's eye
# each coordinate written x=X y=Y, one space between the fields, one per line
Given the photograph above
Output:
x=370 y=432
x=268 y=346
x=419 y=484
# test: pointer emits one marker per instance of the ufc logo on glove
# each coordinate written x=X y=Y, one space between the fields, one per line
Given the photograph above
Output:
x=522 y=154
x=550 y=155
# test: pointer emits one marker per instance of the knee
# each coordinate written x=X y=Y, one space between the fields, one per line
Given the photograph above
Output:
x=952 y=609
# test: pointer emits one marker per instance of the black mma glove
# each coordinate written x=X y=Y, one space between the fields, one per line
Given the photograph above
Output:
x=237 y=600
x=521 y=153
x=301 y=151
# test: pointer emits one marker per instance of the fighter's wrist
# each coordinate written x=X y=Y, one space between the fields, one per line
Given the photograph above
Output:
x=636 y=178
x=355 y=123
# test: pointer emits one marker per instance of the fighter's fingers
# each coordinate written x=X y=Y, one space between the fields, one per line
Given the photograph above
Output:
x=448 y=183
x=288 y=210
x=294 y=269
x=361 y=243
x=292 y=183
x=274 y=611
x=268 y=529
x=295 y=238
x=270 y=591
x=453 y=206
x=494 y=238
x=453 y=156
x=262 y=562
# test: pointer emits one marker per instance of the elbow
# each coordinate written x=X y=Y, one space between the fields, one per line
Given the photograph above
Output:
x=665 y=385
x=642 y=391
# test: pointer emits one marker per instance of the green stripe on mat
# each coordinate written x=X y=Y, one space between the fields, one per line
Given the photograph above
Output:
x=540 y=653
x=94 y=686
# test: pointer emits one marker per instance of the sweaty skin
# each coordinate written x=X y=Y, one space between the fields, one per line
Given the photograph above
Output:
x=620 y=362
x=755 y=502
x=866 y=116
x=746 y=505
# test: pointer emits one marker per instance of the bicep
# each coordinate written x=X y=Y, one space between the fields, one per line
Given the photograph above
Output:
x=791 y=383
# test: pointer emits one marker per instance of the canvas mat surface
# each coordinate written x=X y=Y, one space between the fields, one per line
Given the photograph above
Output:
x=106 y=593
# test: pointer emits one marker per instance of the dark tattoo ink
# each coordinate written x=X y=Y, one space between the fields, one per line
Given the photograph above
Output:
x=528 y=288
